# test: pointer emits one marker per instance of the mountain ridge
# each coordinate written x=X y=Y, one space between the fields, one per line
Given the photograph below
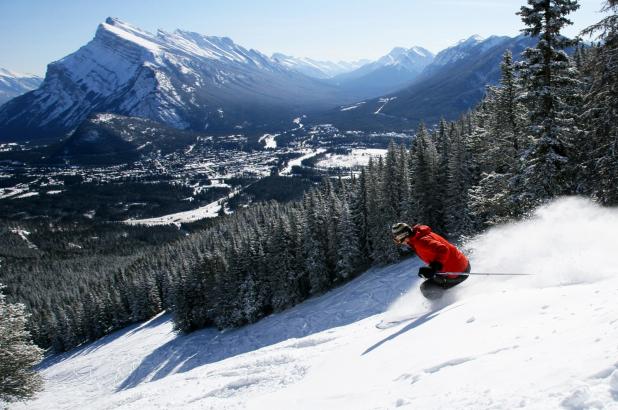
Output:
x=389 y=73
x=182 y=79
x=452 y=84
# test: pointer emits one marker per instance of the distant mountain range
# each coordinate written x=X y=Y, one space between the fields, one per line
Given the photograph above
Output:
x=390 y=73
x=14 y=84
x=199 y=83
x=454 y=82
x=318 y=69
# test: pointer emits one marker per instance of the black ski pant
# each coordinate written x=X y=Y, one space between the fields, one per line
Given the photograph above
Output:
x=444 y=282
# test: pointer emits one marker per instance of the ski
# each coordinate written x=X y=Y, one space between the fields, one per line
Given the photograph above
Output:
x=387 y=324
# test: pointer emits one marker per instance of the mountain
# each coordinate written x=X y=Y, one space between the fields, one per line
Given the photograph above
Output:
x=316 y=68
x=545 y=341
x=390 y=73
x=14 y=84
x=453 y=83
x=465 y=48
x=181 y=79
x=457 y=81
x=113 y=139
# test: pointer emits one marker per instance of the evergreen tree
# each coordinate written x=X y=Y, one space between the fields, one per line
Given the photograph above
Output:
x=509 y=112
x=424 y=169
x=18 y=355
x=458 y=220
x=442 y=146
x=599 y=109
x=381 y=216
x=549 y=82
x=359 y=213
x=347 y=244
x=315 y=243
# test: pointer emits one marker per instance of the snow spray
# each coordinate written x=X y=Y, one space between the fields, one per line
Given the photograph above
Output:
x=570 y=240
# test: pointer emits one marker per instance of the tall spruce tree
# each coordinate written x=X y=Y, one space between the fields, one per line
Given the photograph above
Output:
x=18 y=355
x=490 y=200
x=359 y=212
x=458 y=220
x=549 y=82
x=509 y=112
x=600 y=110
x=424 y=172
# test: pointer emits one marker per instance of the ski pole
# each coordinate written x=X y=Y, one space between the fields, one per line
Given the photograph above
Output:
x=485 y=273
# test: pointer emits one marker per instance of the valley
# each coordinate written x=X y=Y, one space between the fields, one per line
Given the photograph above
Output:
x=209 y=173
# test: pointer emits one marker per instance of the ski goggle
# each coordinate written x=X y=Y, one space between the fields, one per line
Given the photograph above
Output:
x=401 y=237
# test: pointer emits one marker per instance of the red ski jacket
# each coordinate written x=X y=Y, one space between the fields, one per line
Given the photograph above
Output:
x=430 y=247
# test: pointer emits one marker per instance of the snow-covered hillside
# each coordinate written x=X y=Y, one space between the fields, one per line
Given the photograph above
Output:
x=538 y=342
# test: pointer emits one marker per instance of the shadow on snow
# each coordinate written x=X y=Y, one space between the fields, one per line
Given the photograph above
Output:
x=370 y=294
x=416 y=323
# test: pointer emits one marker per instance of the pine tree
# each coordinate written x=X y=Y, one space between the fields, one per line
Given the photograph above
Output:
x=380 y=220
x=549 y=82
x=315 y=243
x=347 y=244
x=359 y=212
x=458 y=220
x=500 y=143
x=424 y=166
x=403 y=166
x=599 y=109
x=509 y=112
x=18 y=355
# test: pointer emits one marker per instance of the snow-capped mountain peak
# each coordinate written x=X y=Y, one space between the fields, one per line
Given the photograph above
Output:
x=180 y=79
x=13 y=84
x=421 y=51
x=473 y=39
x=131 y=33
x=317 y=68
x=466 y=47
x=4 y=73
x=413 y=58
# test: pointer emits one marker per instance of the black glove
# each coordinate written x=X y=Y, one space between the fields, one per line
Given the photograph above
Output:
x=429 y=271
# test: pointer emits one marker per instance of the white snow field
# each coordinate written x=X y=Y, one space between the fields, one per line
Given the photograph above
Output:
x=546 y=341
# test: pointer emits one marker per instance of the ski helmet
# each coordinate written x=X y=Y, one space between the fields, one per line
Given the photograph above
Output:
x=401 y=231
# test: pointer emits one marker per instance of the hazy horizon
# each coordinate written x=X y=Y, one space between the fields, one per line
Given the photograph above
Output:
x=41 y=32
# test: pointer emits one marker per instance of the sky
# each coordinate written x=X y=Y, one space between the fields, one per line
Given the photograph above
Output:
x=37 y=32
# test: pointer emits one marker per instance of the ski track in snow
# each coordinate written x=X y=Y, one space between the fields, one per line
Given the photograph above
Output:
x=541 y=342
x=384 y=101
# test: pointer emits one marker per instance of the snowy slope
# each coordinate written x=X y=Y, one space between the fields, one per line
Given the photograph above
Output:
x=13 y=84
x=540 y=342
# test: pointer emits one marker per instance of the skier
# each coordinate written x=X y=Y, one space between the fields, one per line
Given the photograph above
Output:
x=438 y=253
